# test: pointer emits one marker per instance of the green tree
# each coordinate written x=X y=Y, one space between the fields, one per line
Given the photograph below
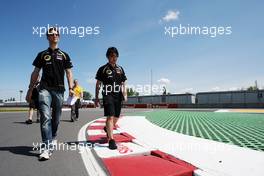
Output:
x=131 y=92
x=87 y=95
x=252 y=88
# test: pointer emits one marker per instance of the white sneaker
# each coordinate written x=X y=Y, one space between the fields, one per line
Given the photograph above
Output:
x=54 y=142
x=45 y=155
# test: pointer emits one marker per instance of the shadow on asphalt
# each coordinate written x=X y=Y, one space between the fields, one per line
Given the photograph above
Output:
x=66 y=121
x=21 y=150
x=24 y=123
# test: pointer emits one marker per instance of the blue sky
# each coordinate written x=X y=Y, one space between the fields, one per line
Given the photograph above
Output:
x=186 y=63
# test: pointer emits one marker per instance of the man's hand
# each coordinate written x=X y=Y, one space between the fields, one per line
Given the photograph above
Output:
x=29 y=95
x=97 y=102
x=125 y=98
x=71 y=93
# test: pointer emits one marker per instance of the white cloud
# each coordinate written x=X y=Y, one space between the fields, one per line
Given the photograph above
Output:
x=171 y=15
x=187 y=90
x=216 y=88
x=233 y=88
x=164 y=81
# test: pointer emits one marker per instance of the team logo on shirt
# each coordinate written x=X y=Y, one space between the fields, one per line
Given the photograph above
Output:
x=109 y=72
x=59 y=57
x=47 y=58
x=118 y=70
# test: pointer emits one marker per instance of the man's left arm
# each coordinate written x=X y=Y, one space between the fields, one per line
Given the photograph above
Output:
x=123 y=88
x=124 y=91
x=69 y=76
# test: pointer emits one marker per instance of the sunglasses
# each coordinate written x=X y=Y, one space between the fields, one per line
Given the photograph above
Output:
x=54 y=34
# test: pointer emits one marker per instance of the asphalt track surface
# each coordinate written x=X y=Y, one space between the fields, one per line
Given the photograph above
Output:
x=16 y=145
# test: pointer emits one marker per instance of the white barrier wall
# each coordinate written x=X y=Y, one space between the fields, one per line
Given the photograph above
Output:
x=160 y=99
x=231 y=97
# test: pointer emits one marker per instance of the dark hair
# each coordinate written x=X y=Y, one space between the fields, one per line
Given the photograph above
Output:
x=52 y=29
x=111 y=50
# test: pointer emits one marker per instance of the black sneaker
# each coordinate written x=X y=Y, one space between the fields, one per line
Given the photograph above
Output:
x=28 y=121
x=112 y=144
x=37 y=120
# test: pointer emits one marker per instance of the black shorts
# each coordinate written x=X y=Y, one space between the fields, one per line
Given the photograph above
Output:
x=34 y=104
x=112 y=106
x=78 y=104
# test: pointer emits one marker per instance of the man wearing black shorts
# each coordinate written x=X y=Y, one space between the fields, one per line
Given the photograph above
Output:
x=112 y=77
x=33 y=104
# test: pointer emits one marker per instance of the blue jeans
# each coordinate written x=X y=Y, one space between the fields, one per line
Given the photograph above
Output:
x=49 y=122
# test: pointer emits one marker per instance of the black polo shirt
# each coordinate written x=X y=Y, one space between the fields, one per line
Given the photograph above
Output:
x=53 y=64
x=111 y=76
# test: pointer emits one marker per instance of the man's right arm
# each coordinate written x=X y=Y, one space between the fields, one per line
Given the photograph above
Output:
x=97 y=89
x=33 y=80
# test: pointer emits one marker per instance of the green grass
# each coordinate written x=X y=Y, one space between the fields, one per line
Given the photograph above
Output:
x=244 y=130
x=13 y=109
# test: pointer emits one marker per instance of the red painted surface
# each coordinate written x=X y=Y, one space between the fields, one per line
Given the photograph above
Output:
x=98 y=127
x=100 y=121
x=171 y=158
x=145 y=165
x=157 y=163
x=141 y=106
x=122 y=137
x=172 y=105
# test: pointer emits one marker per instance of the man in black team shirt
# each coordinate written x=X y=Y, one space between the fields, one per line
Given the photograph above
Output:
x=113 y=78
x=54 y=63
